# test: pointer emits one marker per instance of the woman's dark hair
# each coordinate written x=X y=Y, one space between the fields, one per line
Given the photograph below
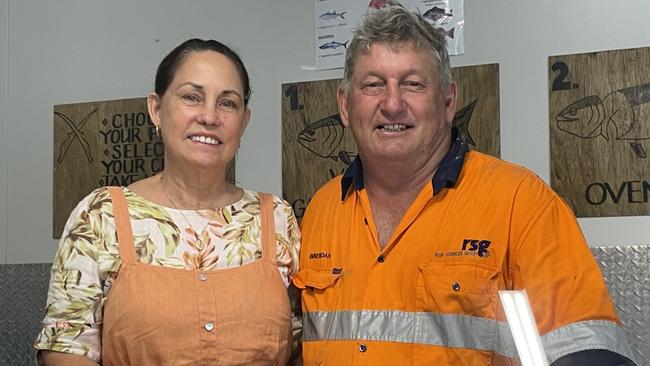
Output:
x=175 y=58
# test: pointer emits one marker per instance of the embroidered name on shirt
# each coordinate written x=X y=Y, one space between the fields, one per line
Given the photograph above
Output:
x=319 y=255
x=476 y=245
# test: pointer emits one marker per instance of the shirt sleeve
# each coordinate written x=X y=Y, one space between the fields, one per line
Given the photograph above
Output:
x=287 y=235
x=551 y=260
x=73 y=312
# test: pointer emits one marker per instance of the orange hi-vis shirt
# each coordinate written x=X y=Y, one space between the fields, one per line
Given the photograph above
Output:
x=430 y=296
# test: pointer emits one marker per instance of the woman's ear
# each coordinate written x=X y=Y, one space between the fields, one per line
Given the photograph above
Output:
x=153 y=107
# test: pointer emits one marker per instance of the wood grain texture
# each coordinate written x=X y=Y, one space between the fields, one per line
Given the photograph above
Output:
x=599 y=120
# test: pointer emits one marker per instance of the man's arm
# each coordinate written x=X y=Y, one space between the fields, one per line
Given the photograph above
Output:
x=551 y=260
x=594 y=357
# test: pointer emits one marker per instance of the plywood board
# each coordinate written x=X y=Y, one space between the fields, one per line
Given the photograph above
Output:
x=102 y=143
x=599 y=106
x=316 y=147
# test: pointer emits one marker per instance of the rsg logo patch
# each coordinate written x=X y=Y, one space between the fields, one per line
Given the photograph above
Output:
x=477 y=245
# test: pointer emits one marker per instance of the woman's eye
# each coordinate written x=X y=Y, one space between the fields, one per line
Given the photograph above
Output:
x=228 y=104
x=191 y=98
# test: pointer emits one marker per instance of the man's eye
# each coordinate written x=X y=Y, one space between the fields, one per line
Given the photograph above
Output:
x=373 y=86
x=413 y=84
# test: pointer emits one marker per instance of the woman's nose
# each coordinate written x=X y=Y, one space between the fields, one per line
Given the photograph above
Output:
x=209 y=116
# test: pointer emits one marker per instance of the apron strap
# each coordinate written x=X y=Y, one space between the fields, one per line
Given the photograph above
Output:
x=122 y=225
x=269 y=246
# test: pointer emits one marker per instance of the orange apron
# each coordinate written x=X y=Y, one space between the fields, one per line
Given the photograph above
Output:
x=166 y=316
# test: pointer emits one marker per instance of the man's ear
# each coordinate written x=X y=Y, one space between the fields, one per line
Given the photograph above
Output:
x=450 y=102
x=153 y=107
x=343 y=106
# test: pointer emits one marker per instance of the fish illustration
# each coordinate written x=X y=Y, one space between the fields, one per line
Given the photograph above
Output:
x=331 y=15
x=448 y=33
x=462 y=119
x=436 y=14
x=625 y=113
x=323 y=137
x=333 y=45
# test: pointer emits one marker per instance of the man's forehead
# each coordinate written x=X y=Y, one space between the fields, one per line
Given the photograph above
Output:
x=372 y=62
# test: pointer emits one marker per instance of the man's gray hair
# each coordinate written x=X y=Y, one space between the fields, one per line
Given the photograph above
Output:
x=395 y=25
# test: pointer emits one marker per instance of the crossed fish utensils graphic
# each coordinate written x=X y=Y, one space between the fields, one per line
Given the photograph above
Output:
x=75 y=133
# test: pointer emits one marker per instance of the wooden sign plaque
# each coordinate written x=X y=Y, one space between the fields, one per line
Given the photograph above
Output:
x=599 y=106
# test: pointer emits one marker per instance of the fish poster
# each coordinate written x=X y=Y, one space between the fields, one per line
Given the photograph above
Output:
x=105 y=143
x=334 y=21
x=599 y=106
x=316 y=147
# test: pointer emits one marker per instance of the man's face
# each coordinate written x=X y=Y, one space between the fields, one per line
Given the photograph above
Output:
x=395 y=106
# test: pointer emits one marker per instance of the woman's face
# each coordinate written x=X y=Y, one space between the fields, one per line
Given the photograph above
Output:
x=202 y=115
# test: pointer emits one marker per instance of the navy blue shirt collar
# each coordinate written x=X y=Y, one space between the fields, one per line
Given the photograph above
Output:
x=446 y=175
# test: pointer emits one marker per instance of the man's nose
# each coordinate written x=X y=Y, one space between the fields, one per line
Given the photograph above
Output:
x=393 y=104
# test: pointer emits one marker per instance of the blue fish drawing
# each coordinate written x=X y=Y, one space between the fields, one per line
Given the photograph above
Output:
x=436 y=14
x=323 y=138
x=331 y=15
x=623 y=114
x=333 y=45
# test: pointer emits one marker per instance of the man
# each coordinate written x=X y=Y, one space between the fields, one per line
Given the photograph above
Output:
x=403 y=255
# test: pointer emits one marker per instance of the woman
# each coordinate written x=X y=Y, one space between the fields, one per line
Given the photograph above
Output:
x=181 y=268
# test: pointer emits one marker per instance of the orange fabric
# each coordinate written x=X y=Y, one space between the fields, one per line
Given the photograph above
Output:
x=160 y=316
x=534 y=244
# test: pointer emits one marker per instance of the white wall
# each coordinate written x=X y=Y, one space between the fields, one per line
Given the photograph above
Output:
x=4 y=156
x=79 y=50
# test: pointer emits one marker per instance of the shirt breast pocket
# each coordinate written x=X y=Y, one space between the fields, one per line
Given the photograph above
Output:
x=318 y=288
x=461 y=289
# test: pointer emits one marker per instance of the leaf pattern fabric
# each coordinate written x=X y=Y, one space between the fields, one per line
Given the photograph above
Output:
x=87 y=260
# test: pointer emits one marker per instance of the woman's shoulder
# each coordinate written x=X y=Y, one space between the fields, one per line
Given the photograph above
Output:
x=251 y=196
x=95 y=200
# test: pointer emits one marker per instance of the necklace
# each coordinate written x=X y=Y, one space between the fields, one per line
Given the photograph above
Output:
x=199 y=235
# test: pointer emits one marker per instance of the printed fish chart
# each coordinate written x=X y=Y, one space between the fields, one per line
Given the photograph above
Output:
x=334 y=21
x=316 y=147
x=100 y=144
x=599 y=106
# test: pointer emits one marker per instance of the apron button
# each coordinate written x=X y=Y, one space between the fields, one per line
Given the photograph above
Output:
x=455 y=286
x=209 y=326
x=203 y=276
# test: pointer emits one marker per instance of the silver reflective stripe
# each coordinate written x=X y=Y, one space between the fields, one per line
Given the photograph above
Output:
x=456 y=331
x=590 y=334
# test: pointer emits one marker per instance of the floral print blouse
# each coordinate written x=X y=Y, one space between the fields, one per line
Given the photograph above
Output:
x=87 y=260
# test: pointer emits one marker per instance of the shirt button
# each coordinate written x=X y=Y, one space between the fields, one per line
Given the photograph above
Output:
x=455 y=286
x=362 y=348
x=381 y=259
x=203 y=276
x=209 y=326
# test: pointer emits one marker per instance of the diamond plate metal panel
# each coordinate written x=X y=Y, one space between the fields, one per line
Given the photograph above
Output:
x=23 y=291
x=627 y=272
